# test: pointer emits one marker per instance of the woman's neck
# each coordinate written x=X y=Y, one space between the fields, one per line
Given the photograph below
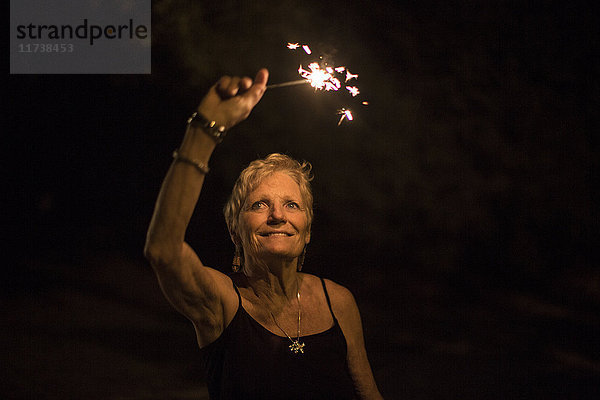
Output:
x=273 y=281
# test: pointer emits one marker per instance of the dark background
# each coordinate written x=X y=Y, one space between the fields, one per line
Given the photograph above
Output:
x=458 y=206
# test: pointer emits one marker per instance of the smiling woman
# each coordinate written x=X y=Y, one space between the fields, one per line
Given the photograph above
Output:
x=271 y=199
x=268 y=330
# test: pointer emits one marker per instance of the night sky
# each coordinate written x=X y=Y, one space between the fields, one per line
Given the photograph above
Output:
x=458 y=206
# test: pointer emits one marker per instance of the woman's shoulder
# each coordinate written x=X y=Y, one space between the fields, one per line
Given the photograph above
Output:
x=341 y=297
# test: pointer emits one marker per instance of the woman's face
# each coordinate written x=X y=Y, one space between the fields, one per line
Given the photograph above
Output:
x=273 y=220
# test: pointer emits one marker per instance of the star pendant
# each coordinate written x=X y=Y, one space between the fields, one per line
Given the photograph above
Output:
x=296 y=346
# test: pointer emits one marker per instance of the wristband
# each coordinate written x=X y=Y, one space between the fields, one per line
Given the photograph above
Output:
x=211 y=128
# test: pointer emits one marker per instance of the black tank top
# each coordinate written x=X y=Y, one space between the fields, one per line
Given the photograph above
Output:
x=249 y=362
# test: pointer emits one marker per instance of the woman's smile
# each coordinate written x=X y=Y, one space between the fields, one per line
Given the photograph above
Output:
x=275 y=234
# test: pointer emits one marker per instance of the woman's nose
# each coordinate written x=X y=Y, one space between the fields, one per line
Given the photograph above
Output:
x=277 y=214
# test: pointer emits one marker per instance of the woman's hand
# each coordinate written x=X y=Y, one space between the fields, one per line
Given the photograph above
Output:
x=231 y=99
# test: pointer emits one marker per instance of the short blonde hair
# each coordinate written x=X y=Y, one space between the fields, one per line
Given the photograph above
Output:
x=251 y=177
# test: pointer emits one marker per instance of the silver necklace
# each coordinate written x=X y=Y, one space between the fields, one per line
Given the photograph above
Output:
x=296 y=345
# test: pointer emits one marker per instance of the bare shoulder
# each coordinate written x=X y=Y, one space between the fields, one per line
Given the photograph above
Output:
x=337 y=293
x=342 y=300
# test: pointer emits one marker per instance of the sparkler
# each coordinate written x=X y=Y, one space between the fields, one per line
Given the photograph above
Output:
x=323 y=77
x=319 y=78
x=290 y=83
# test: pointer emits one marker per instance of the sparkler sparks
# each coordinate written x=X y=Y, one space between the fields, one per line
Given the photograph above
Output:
x=318 y=78
x=323 y=77
x=350 y=75
x=344 y=114
x=353 y=90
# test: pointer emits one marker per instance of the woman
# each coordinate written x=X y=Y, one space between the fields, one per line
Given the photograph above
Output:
x=268 y=331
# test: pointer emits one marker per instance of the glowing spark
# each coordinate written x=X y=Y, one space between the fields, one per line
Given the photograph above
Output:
x=345 y=114
x=319 y=78
x=353 y=90
x=350 y=75
x=340 y=69
x=365 y=103
x=306 y=49
x=293 y=46
x=335 y=82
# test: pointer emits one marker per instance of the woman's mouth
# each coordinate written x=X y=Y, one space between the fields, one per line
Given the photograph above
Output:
x=272 y=234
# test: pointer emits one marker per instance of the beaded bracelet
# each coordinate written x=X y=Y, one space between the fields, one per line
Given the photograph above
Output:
x=199 y=165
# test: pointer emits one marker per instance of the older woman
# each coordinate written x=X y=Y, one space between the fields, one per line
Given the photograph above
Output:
x=267 y=331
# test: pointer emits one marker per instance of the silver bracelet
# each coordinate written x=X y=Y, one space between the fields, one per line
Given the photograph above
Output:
x=211 y=128
x=199 y=165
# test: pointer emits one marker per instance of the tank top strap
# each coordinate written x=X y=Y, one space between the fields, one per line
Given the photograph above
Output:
x=328 y=301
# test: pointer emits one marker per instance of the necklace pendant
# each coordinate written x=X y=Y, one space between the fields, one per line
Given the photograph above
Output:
x=296 y=346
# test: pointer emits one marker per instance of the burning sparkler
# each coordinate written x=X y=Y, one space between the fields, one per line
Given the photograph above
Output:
x=319 y=78
x=323 y=77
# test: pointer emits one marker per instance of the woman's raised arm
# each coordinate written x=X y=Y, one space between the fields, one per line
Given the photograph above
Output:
x=202 y=294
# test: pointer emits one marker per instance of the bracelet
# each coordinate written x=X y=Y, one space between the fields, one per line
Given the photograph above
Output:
x=211 y=128
x=199 y=165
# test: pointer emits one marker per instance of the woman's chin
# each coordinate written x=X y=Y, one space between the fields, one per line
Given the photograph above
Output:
x=276 y=255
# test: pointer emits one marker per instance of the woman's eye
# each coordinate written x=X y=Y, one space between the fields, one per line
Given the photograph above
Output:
x=258 y=205
x=293 y=205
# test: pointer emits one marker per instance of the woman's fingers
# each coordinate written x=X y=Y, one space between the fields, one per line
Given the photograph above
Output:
x=223 y=85
x=230 y=86
x=245 y=83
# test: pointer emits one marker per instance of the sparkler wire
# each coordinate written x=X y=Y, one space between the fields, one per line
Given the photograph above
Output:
x=290 y=83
